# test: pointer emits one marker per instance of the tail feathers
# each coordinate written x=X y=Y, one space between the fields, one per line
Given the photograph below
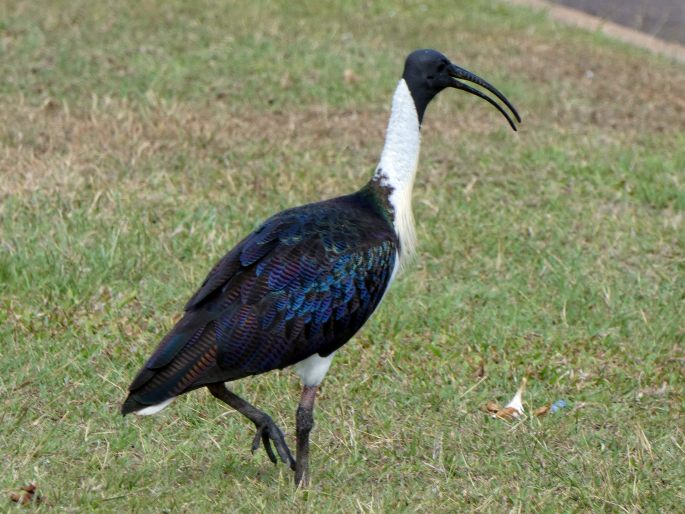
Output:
x=131 y=405
x=153 y=389
x=180 y=339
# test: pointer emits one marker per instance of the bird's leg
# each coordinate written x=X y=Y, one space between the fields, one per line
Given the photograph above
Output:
x=304 y=424
x=267 y=431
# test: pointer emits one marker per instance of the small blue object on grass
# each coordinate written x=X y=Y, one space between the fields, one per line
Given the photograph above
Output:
x=557 y=406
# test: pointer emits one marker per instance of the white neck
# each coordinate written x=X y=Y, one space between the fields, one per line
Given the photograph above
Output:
x=397 y=167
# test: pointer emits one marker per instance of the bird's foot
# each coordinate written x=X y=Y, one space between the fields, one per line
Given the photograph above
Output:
x=268 y=432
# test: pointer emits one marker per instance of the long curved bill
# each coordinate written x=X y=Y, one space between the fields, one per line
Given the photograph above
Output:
x=460 y=73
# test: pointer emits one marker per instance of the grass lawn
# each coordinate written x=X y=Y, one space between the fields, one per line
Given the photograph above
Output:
x=140 y=140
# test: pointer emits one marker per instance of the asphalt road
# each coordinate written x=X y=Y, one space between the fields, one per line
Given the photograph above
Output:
x=664 y=19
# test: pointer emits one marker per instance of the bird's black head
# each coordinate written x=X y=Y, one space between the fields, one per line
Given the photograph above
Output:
x=427 y=72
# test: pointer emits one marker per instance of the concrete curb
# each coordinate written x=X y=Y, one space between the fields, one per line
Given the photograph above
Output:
x=586 y=21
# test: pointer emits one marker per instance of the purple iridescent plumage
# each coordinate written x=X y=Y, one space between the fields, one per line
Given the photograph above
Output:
x=303 y=283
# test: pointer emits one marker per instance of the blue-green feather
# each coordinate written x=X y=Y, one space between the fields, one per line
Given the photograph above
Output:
x=304 y=282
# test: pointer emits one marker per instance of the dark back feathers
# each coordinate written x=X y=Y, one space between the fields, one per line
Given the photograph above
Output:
x=304 y=282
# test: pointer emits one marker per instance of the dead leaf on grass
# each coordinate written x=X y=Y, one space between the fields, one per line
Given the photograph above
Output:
x=511 y=410
x=541 y=411
x=492 y=407
x=27 y=495
x=507 y=413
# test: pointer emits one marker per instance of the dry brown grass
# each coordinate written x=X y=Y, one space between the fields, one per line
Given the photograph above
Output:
x=56 y=146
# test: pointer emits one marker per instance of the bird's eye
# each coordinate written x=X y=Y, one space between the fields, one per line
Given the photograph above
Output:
x=430 y=77
x=441 y=67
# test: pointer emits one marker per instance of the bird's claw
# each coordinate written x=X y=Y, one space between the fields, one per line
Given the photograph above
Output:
x=268 y=432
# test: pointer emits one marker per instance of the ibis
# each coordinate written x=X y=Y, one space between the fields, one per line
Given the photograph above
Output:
x=295 y=290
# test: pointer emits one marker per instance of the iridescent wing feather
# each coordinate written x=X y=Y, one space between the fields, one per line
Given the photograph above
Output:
x=303 y=283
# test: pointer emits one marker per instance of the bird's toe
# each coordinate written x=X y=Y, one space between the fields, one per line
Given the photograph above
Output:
x=278 y=439
x=268 y=433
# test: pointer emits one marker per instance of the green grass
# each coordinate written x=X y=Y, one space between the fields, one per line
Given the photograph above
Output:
x=141 y=140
